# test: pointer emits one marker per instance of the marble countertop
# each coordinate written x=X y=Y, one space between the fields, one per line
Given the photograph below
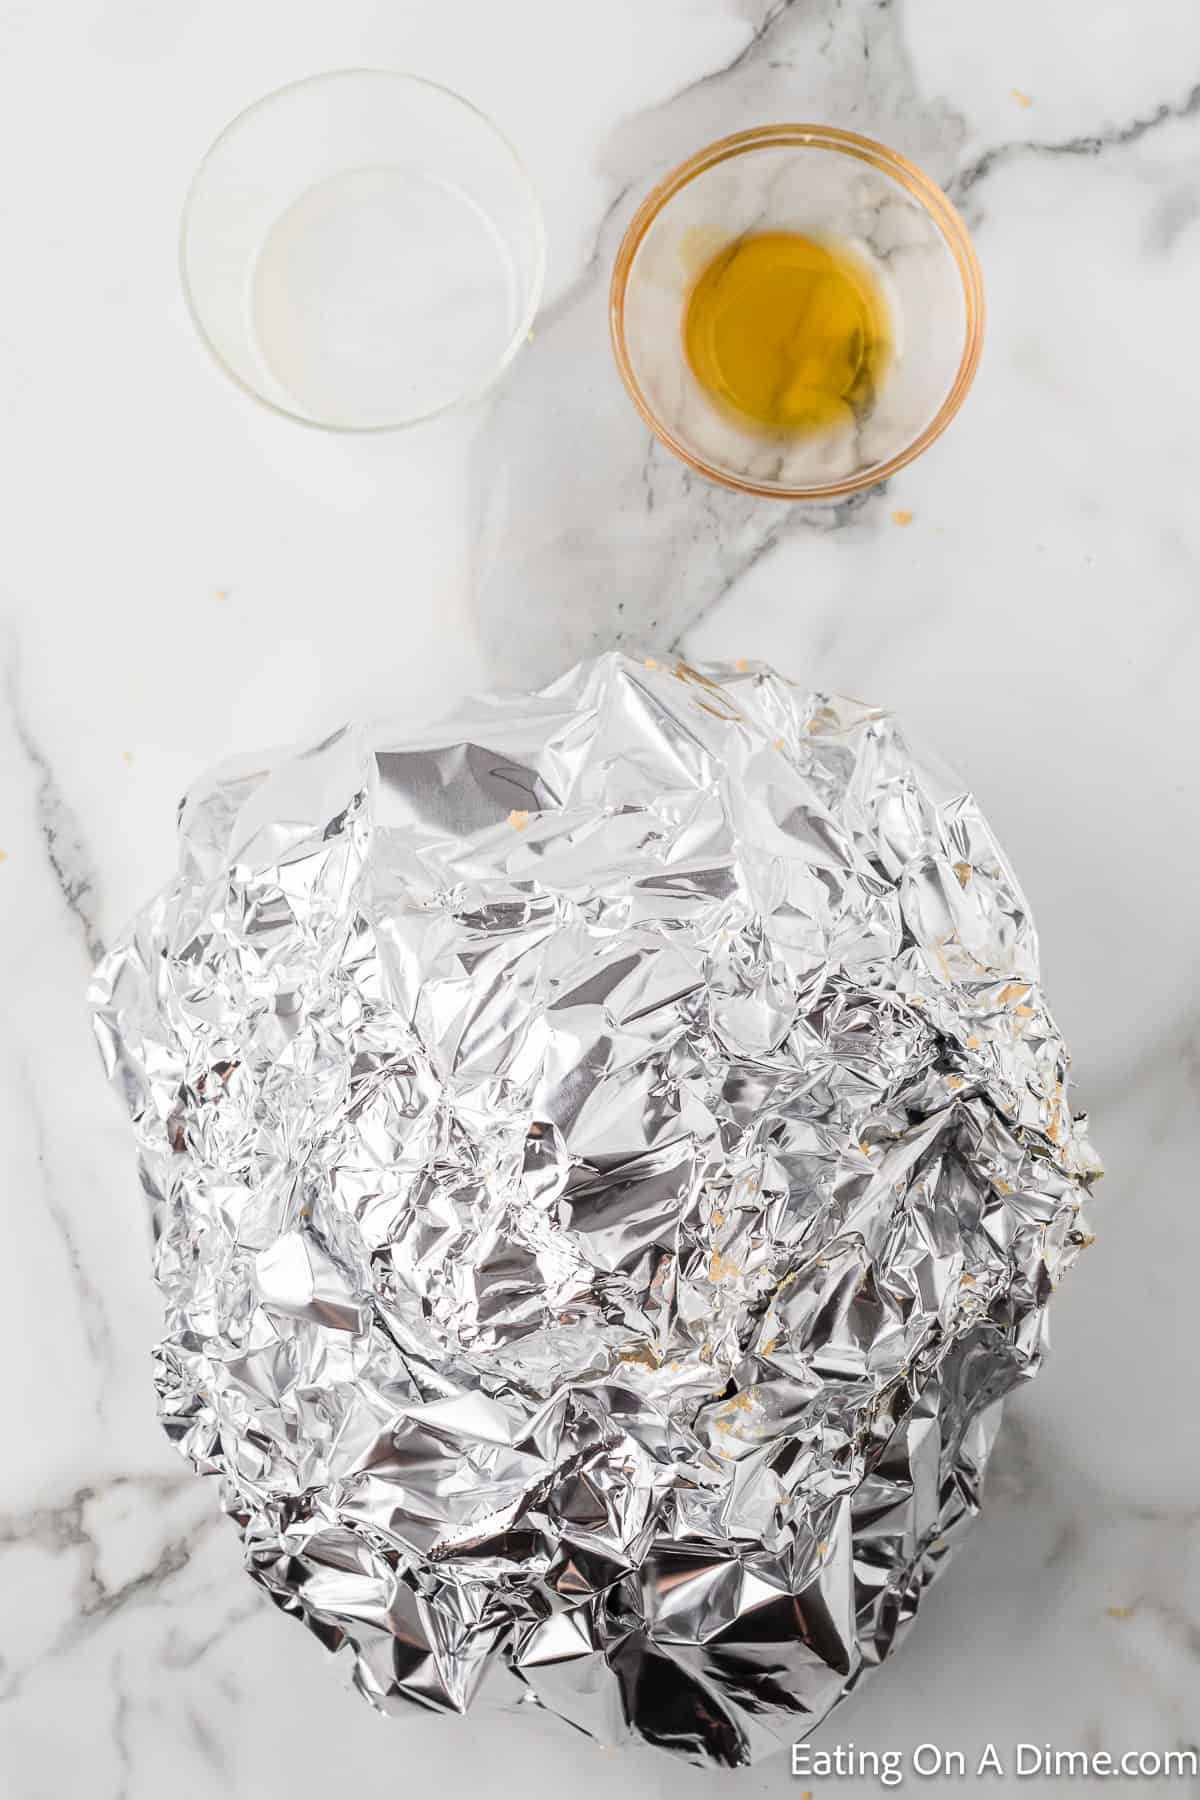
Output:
x=180 y=568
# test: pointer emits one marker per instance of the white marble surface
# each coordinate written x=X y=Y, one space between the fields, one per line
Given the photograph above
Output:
x=181 y=571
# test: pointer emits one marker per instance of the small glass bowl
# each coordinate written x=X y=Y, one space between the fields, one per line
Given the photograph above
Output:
x=826 y=184
x=362 y=250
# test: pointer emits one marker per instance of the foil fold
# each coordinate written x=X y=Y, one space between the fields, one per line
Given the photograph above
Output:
x=610 y=1158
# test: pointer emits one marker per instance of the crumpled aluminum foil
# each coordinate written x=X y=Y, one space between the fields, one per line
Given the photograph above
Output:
x=610 y=1158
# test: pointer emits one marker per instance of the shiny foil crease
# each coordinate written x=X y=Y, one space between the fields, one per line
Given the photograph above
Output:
x=610 y=1159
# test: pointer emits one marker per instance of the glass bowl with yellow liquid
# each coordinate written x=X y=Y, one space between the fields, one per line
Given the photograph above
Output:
x=797 y=311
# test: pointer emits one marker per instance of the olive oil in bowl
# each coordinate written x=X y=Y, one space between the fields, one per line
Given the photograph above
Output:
x=792 y=334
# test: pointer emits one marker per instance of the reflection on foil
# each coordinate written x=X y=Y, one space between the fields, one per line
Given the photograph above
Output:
x=610 y=1158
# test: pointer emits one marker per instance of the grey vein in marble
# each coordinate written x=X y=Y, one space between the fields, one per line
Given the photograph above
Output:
x=93 y=1311
x=962 y=185
x=67 y=851
x=65 y=1528
x=178 y=1652
x=123 y=1707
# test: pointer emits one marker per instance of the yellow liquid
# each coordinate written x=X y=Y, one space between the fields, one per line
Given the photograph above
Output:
x=792 y=334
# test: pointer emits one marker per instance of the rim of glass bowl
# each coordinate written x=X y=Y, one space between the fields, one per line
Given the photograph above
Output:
x=945 y=216
x=536 y=285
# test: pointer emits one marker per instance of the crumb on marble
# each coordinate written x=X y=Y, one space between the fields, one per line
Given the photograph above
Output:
x=778 y=744
x=1119 y=1612
x=1020 y=98
x=741 y=665
x=518 y=819
x=220 y=593
x=963 y=871
x=127 y=756
x=3 y=855
x=902 y=516
x=650 y=662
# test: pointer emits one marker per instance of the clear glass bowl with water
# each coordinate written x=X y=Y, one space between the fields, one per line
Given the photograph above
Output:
x=362 y=250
